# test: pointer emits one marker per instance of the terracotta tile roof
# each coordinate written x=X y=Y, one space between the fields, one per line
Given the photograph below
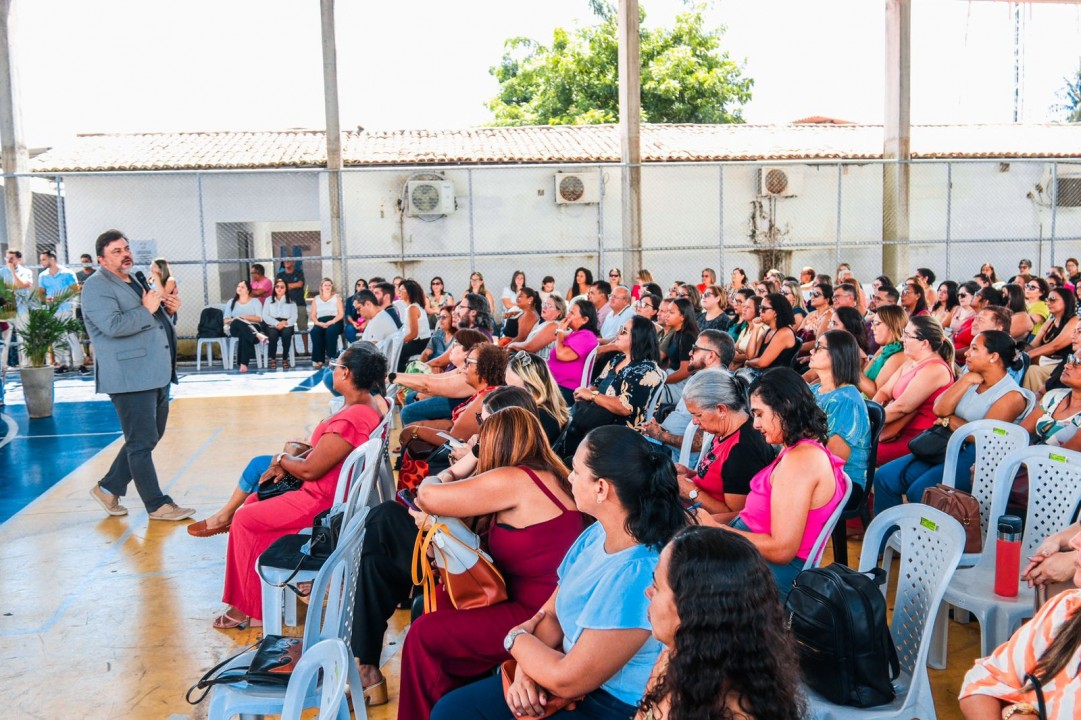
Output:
x=550 y=144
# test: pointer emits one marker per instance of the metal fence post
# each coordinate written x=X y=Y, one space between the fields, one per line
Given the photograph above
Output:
x=720 y=222
x=1054 y=211
x=600 y=220
x=202 y=238
x=837 y=231
x=61 y=220
x=472 y=256
x=949 y=213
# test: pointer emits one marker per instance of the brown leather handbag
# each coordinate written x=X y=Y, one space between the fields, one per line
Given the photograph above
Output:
x=961 y=506
x=468 y=574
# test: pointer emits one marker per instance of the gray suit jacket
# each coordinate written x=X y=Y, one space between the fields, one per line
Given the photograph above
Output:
x=133 y=350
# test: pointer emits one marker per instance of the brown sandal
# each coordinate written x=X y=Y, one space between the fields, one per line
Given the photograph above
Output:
x=225 y=621
x=273 y=364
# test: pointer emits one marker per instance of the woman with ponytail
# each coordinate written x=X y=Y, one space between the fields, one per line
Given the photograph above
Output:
x=985 y=391
x=1044 y=651
x=910 y=393
x=591 y=640
x=727 y=654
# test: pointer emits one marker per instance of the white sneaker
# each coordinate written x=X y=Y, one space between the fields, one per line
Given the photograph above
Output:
x=110 y=502
x=170 y=511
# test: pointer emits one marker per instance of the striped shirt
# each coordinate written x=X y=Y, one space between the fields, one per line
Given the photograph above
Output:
x=1001 y=674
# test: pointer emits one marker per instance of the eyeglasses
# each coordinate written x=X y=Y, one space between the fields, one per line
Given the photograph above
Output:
x=614 y=275
x=1032 y=286
x=764 y=308
x=787 y=293
x=546 y=305
x=819 y=346
x=336 y=364
x=623 y=330
x=522 y=358
x=643 y=303
x=471 y=361
x=437 y=283
x=909 y=336
x=1073 y=359
x=699 y=348
x=683 y=295
x=963 y=294
x=816 y=293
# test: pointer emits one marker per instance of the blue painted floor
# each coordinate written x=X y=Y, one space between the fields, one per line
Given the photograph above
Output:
x=48 y=449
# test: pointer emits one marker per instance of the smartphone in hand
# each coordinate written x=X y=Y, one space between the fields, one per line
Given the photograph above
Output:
x=409 y=498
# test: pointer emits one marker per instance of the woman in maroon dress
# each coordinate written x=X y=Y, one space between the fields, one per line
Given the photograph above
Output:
x=358 y=370
x=521 y=493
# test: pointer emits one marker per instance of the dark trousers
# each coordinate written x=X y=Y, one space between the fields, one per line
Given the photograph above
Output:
x=286 y=335
x=142 y=417
x=384 y=577
x=409 y=349
x=484 y=699
x=245 y=335
x=325 y=340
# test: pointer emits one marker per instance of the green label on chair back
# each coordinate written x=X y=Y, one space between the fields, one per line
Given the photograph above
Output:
x=1057 y=458
x=999 y=431
x=929 y=524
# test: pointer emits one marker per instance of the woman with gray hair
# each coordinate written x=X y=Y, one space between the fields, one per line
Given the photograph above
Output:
x=717 y=402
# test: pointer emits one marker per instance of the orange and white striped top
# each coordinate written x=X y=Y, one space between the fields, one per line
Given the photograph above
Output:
x=1001 y=674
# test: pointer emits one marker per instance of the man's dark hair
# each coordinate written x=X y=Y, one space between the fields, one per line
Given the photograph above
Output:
x=384 y=287
x=848 y=288
x=365 y=296
x=104 y=240
x=49 y=254
x=604 y=286
x=376 y=280
x=479 y=304
x=927 y=274
x=86 y=256
x=1002 y=315
x=891 y=293
x=722 y=344
x=259 y=268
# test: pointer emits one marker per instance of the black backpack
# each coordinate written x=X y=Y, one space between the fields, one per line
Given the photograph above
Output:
x=838 y=618
x=211 y=323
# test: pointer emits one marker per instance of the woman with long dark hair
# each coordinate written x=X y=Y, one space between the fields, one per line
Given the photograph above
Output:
x=714 y=606
x=961 y=328
x=913 y=299
x=583 y=278
x=946 y=303
x=592 y=639
x=244 y=321
x=476 y=287
x=1054 y=340
x=778 y=345
x=575 y=338
x=280 y=318
x=792 y=498
x=415 y=323
x=677 y=351
x=438 y=297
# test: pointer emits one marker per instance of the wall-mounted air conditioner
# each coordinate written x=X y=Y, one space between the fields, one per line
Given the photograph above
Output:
x=576 y=188
x=429 y=197
x=1067 y=180
x=781 y=181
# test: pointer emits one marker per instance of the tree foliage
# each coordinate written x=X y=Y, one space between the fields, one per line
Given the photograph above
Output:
x=1071 y=98
x=686 y=76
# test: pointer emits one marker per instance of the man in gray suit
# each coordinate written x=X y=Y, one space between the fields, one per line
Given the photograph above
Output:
x=135 y=347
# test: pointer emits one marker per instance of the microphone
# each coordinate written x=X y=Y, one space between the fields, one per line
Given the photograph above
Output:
x=142 y=280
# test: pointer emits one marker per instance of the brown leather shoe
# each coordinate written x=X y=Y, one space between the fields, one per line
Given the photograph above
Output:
x=199 y=529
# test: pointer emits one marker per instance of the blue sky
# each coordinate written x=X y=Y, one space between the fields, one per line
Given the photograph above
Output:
x=133 y=65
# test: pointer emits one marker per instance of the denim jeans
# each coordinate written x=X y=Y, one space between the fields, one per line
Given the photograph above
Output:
x=484 y=700
x=249 y=479
x=435 y=408
x=909 y=477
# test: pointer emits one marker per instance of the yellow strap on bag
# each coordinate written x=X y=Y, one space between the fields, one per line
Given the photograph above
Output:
x=424 y=575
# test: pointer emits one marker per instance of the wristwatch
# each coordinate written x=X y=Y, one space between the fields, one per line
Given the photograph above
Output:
x=594 y=393
x=693 y=494
x=508 y=642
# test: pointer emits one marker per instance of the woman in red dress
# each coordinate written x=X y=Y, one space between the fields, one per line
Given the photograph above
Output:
x=521 y=492
x=357 y=372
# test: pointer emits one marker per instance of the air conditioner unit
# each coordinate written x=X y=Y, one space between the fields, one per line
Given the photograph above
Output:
x=429 y=197
x=577 y=188
x=1067 y=179
x=780 y=181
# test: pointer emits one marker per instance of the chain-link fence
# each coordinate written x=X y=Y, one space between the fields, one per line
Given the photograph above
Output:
x=212 y=226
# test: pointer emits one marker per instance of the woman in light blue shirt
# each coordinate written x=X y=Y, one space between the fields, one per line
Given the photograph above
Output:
x=592 y=638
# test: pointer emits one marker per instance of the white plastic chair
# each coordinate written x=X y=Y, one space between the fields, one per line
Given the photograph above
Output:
x=358 y=474
x=815 y=556
x=330 y=615
x=994 y=441
x=1054 y=488
x=208 y=344
x=330 y=658
x=391 y=347
x=261 y=352
x=654 y=401
x=587 y=369
x=931 y=544
x=687 y=447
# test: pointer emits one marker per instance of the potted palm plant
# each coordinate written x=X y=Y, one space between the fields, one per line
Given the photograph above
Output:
x=40 y=328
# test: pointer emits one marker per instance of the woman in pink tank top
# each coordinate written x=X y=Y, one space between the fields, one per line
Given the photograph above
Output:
x=909 y=395
x=792 y=498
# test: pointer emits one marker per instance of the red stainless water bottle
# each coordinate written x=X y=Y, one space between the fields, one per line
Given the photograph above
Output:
x=1008 y=556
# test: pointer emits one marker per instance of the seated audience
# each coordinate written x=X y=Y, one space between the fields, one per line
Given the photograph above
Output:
x=415 y=324
x=521 y=494
x=723 y=656
x=354 y=323
x=913 y=299
x=836 y=362
x=576 y=338
x=717 y=402
x=442 y=334
x=1053 y=342
x=1021 y=327
x=279 y=318
x=476 y=287
x=583 y=278
x=542 y=336
x=257 y=524
x=528 y=303
x=1059 y=415
x=960 y=331
x=815 y=322
x=676 y=350
x=749 y=329
x=582 y=643
x=1036 y=292
x=531 y=373
x=1054 y=381
x=648 y=306
x=437 y=396
x=1045 y=647
x=438 y=297
x=947 y=305
x=794 y=295
x=714 y=304
x=778 y=345
x=624 y=387
x=909 y=395
x=986 y=391
x=244 y=321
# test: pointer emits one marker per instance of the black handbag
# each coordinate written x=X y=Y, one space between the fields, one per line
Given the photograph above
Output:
x=275 y=659
x=288 y=483
x=930 y=445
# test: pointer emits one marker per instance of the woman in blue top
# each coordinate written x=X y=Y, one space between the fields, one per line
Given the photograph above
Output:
x=592 y=638
x=835 y=357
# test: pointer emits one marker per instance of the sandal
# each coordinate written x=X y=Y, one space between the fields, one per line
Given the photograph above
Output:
x=225 y=621
x=273 y=364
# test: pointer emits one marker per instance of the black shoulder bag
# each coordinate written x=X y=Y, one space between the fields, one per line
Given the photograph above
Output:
x=274 y=660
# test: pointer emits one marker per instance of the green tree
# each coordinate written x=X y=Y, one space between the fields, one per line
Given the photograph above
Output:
x=686 y=77
x=1071 y=98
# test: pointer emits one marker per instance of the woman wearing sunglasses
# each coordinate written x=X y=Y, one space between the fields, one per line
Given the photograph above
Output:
x=1054 y=340
x=439 y=298
x=542 y=336
x=1036 y=292
x=714 y=304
